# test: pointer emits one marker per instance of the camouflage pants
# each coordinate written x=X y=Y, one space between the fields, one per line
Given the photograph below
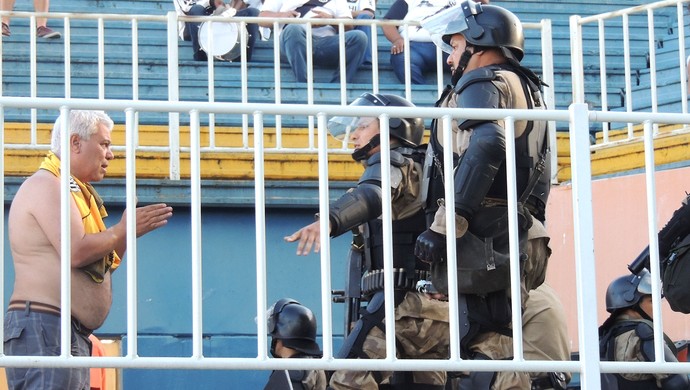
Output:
x=497 y=346
x=421 y=331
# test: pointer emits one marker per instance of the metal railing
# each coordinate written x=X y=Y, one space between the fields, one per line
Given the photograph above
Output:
x=170 y=21
x=597 y=59
x=579 y=118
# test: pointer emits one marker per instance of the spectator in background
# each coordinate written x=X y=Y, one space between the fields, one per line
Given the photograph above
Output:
x=42 y=30
x=292 y=328
x=366 y=10
x=189 y=31
x=423 y=56
x=326 y=43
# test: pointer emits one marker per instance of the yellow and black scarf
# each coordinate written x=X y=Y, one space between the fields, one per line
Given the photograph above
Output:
x=92 y=212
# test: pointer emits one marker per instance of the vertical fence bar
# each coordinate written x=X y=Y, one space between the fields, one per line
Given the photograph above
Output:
x=515 y=286
x=101 y=59
x=451 y=250
x=584 y=247
x=682 y=59
x=576 y=65
x=65 y=236
x=33 y=76
x=655 y=267
x=197 y=259
x=260 y=221
x=627 y=66
x=325 y=239
x=602 y=76
x=132 y=258
x=68 y=58
x=652 y=62
x=173 y=96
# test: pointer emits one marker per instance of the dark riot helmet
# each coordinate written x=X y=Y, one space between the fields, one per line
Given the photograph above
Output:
x=627 y=291
x=293 y=324
x=481 y=25
x=408 y=131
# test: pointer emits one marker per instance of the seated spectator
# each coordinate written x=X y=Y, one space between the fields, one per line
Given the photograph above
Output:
x=189 y=31
x=422 y=50
x=292 y=328
x=365 y=10
x=42 y=30
x=326 y=43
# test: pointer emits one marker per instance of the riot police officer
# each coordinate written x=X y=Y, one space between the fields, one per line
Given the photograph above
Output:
x=628 y=335
x=421 y=322
x=292 y=328
x=486 y=45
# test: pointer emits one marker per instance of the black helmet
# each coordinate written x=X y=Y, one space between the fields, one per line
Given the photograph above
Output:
x=295 y=325
x=481 y=25
x=627 y=291
x=409 y=131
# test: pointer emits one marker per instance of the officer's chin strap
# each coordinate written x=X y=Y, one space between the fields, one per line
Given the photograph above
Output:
x=462 y=64
x=273 y=348
x=641 y=312
x=363 y=152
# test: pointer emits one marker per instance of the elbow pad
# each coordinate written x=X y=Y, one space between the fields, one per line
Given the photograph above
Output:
x=361 y=204
x=478 y=167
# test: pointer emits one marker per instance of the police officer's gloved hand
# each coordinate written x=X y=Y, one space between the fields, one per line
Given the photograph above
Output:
x=430 y=246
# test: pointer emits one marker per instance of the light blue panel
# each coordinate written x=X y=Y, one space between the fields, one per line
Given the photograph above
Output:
x=229 y=272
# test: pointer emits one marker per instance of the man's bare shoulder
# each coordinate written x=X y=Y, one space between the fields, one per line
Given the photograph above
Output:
x=38 y=190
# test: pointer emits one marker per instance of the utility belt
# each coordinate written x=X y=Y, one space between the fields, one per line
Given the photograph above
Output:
x=372 y=281
x=38 y=307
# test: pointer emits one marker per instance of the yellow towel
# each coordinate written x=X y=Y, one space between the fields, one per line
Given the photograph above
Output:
x=92 y=212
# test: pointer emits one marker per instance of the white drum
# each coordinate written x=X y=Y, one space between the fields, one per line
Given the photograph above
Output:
x=221 y=40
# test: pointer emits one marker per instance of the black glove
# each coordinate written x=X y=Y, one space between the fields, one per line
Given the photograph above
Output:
x=430 y=247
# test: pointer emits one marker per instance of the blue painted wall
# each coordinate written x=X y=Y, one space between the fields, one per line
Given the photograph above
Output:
x=229 y=286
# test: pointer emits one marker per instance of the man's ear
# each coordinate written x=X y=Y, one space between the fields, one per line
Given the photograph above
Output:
x=75 y=143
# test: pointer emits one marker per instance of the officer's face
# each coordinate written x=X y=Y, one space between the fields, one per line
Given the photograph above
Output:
x=366 y=129
x=646 y=305
x=458 y=43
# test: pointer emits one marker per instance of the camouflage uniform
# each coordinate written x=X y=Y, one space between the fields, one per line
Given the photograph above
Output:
x=421 y=331
x=421 y=323
x=494 y=345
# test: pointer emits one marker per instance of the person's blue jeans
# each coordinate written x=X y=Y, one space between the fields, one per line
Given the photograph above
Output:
x=293 y=48
x=366 y=30
x=191 y=31
x=422 y=59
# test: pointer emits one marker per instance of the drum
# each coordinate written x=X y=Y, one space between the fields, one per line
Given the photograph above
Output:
x=221 y=40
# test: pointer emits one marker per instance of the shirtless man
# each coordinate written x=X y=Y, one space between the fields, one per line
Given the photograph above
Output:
x=32 y=323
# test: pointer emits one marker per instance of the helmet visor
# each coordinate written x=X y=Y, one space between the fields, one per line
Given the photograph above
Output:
x=341 y=127
x=451 y=19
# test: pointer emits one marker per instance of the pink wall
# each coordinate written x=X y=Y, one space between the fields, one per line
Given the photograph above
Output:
x=620 y=234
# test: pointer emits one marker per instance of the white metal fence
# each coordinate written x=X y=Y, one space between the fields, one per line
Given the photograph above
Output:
x=662 y=19
x=579 y=118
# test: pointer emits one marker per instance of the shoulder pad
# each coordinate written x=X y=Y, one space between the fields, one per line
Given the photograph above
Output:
x=486 y=73
x=644 y=331
x=478 y=92
x=373 y=170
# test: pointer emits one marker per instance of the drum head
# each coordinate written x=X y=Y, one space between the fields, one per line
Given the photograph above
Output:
x=225 y=36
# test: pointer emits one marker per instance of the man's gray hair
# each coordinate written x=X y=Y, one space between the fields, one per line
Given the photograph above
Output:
x=83 y=123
